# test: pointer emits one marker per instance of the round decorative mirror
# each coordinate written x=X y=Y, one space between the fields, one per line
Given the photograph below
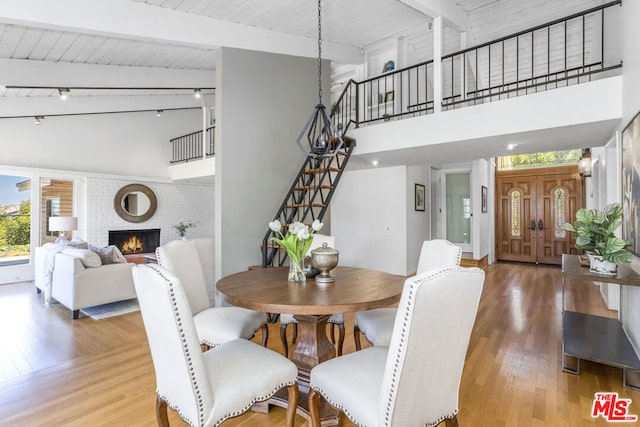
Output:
x=135 y=203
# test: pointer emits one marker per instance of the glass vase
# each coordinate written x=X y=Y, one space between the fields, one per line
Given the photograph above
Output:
x=296 y=273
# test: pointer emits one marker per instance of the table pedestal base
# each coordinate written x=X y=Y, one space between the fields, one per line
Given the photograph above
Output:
x=313 y=347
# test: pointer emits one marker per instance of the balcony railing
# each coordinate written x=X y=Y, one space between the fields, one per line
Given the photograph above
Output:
x=566 y=51
x=189 y=147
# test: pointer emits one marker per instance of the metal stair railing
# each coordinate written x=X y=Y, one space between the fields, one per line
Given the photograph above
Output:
x=308 y=198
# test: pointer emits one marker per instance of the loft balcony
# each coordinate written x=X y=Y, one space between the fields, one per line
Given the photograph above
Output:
x=558 y=84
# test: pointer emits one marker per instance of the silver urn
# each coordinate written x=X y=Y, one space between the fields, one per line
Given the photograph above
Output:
x=324 y=259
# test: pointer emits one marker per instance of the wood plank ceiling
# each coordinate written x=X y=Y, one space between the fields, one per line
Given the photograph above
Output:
x=355 y=23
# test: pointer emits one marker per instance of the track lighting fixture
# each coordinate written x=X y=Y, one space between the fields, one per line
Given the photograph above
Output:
x=38 y=119
x=159 y=113
x=197 y=93
x=64 y=93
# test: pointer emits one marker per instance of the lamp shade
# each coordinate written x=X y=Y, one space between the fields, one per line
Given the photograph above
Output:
x=63 y=223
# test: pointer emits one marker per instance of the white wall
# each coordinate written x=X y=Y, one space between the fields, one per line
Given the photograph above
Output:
x=418 y=222
x=180 y=201
x=480 y=239
x=263 y=101
x=630 y=106
x=369 y=219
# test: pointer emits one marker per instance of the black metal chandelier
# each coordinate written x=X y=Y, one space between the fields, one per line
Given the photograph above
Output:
x=320 y=133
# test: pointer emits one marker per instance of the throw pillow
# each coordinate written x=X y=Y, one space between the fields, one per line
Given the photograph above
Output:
x=88 y=258
x=78 y=243
x=109 y=255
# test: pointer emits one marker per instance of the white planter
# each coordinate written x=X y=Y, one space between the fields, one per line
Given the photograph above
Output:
x=599 y=266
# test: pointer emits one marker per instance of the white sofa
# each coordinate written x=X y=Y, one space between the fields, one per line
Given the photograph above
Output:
x=76 y=286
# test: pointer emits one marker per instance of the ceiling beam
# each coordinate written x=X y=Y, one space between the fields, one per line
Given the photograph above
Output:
x=453 y=16
x=141 y=21
x=23 y=72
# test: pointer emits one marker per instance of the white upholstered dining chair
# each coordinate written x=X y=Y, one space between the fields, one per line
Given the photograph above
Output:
x=416 y=380
x=336 y=320
x=215 y=325
x=204 y=388
x=376 y=325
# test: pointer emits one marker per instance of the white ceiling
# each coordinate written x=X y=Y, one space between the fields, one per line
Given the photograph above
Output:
x=172 y=43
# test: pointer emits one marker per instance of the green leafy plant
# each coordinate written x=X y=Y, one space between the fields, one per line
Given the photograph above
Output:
x=182 y=227
x=595 y=233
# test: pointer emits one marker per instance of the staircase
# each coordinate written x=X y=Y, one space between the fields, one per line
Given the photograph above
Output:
x=308 y=198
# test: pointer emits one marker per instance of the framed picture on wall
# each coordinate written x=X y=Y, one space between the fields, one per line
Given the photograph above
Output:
x=484 y=199
x=631 y=184
x=420 y=202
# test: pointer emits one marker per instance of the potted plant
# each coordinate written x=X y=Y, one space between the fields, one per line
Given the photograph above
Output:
x=182 y=227
x=595 y=234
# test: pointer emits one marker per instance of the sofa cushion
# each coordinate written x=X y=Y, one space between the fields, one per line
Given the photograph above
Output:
x=109 y=255
x=88 y=258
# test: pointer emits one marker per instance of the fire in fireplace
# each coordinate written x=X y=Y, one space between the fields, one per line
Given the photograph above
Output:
x=135 y=241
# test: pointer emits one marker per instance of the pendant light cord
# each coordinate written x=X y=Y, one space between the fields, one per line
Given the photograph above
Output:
x=319 y=52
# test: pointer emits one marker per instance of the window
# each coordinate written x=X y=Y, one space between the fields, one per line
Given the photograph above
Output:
x=558 y=213
x=539 y=160
x=52 y=208
x=56 y=199
x=15 y=219
x=516 y=201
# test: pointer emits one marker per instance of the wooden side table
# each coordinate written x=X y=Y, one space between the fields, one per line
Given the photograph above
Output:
x=596 y=338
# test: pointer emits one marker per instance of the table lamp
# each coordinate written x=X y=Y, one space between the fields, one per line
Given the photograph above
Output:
x=63 y=224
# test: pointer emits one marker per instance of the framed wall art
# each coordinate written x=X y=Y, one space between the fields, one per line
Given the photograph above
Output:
x=631 y=184
x=420 y=201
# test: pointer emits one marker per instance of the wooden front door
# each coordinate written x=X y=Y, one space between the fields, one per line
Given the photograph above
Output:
x=532 y=207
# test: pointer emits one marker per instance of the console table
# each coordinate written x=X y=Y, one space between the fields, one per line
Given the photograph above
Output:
x=596 y=338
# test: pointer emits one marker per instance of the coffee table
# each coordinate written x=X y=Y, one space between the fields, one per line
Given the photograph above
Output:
x=311 y=303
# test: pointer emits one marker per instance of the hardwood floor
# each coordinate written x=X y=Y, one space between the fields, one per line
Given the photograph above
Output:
x=58 y=372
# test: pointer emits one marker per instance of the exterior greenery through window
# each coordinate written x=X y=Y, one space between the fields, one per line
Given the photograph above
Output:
x=539 y=160
x=15 y=231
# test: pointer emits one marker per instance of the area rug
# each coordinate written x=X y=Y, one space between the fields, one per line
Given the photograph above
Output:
x=105 y=311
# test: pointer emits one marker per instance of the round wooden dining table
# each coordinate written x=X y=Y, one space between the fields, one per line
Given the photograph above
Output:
x=311 y=303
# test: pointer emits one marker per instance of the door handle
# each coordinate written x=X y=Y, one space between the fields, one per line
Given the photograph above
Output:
x=540 y=225
x=533 y=225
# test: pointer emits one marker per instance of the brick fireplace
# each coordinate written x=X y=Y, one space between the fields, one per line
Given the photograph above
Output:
x=135 y=243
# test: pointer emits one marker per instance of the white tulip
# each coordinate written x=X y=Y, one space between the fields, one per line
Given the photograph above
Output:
x=275 y=226
x=295 y=227
x=303 y=233
x=317 y=225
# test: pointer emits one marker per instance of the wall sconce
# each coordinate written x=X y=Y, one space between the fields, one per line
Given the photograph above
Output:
x=584 y=164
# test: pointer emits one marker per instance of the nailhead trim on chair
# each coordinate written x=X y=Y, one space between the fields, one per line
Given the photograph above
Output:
x=459 y=255
x=192 y=373
x=413 y=284
x=335 y=322
x=258 y=399
x=394 y=382
x=194 y=385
